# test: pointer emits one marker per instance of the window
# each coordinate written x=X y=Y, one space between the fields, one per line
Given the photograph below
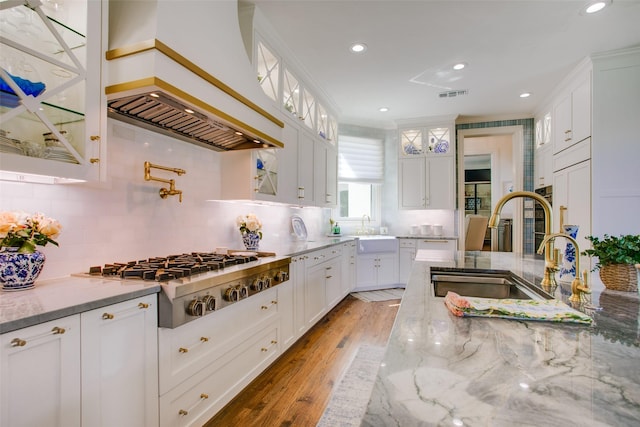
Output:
x=360 y=175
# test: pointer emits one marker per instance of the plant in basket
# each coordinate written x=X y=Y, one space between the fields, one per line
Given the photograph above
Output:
x=616 y=259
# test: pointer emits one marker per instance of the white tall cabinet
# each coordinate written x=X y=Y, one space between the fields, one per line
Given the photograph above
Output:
x=426 y=166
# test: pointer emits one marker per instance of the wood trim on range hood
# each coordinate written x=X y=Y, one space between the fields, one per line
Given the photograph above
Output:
x=141 y=91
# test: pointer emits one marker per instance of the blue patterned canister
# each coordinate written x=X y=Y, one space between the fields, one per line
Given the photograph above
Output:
x=568 y=266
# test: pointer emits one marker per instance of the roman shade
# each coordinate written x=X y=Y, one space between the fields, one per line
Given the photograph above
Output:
x=360 y=159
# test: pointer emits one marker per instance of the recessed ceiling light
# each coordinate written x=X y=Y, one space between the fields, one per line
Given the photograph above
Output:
x=383 y=109
x=189 y=110
x=155 y=95
x=459 y=66
x=525 y=95
x=358 y=47
x=596 y=6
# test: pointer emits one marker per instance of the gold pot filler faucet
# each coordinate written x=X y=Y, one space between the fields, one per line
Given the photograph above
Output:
x=164 y=192
x=552 y=257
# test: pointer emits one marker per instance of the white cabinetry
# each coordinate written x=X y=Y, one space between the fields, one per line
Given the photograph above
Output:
x=119 y=347
x=426 y=168
x=53 y=120
x=305 y=168
x=348 y=267
x=251 y=175
x=40 y=371
x=326 y=175
x=205 y=363
x=543 y=166
x=407 y=256
x=438 y=244
x=377 y=271
x=572 y=114
x=333 y=269
x=97 y=368
x=572 y=189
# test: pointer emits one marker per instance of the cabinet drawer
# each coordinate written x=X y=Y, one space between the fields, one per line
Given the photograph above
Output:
x=408 y=243
x=322 y=255
x=573 y=155
x=186 y=350
x=195 y=401
x=439 y=244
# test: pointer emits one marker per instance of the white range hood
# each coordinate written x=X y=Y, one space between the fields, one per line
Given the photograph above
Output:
x=179 y=67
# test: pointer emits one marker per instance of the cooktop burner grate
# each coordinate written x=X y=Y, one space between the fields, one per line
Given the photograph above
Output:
x=171 y=267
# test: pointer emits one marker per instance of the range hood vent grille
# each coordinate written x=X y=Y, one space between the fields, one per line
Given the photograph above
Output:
x=157 y=111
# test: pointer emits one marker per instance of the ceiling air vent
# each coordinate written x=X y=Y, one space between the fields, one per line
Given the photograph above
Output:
x=452 y=93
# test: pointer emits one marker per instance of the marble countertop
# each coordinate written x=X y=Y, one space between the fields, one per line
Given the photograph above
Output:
x=443 y=370
x=56 y=298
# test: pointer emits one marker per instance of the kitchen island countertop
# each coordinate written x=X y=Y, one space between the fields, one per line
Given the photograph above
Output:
x=443 y=370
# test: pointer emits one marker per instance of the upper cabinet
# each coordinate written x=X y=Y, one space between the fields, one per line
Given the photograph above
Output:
x=52 y=119
x=307 y=171
x=426 y=167
x=251 y=174
x=572 y=114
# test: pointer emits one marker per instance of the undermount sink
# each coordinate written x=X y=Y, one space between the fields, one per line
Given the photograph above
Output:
x=377 y=243
x=497 y=284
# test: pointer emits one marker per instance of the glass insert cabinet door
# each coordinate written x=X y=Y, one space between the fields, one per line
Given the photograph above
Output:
x=266 y=172
x=425 y=141
x=43 y=91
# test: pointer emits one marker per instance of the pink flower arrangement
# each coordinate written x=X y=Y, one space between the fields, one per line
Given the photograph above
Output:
x=26 y=231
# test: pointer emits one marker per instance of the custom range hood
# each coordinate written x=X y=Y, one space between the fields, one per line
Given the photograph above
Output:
x=180 y=68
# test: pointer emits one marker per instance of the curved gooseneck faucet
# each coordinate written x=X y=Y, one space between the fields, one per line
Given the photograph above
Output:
x=551 y=264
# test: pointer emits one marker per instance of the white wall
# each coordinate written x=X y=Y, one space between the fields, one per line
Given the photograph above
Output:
x=127 y=220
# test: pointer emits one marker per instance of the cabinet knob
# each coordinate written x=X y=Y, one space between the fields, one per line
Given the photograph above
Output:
x=95 y=137
x=94 y=160
x=143 y=305
x=17 y=342
x=107 y=316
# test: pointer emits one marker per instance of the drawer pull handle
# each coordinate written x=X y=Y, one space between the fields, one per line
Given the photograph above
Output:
x=185 y=412
x=263 y=349
x=19 y=342
x=328 y=277
x=140 y=306
x=274 y=342
x=274 y=302
x=143 y=305
x=264 y=307
x=107 y=316
x=186 y=349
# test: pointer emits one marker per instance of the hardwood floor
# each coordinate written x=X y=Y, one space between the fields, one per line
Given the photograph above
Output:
x=296 y=388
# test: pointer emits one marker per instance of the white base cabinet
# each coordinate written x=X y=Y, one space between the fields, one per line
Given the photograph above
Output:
x=40 y=375
x=407 y=256
x=377 y=271
x=119 y=348
x=97 y=368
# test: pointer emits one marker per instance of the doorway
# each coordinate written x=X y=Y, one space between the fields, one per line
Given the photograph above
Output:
x=477 y=189
x=506 y=174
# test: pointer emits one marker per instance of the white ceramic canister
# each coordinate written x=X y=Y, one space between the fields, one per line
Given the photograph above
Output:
x=425 y=229
x=437 y=230
x=414 y=229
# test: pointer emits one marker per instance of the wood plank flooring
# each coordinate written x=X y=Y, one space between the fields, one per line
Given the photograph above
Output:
x=296 y=388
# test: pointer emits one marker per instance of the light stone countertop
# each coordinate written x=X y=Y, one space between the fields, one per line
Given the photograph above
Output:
x=441 y=370
x=56 y=298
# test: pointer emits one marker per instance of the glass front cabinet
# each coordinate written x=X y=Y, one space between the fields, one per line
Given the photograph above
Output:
x=51 y=121
x=426 y=167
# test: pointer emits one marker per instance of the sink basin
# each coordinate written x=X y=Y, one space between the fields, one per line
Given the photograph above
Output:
x=497 y=284
x=371 y=244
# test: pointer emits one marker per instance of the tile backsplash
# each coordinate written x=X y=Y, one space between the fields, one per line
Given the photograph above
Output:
x=125 y=218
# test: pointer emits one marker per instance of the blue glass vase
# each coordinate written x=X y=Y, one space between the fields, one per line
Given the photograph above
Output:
x=19 y=271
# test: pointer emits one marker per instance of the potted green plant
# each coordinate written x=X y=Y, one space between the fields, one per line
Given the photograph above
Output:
x=616 y=259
